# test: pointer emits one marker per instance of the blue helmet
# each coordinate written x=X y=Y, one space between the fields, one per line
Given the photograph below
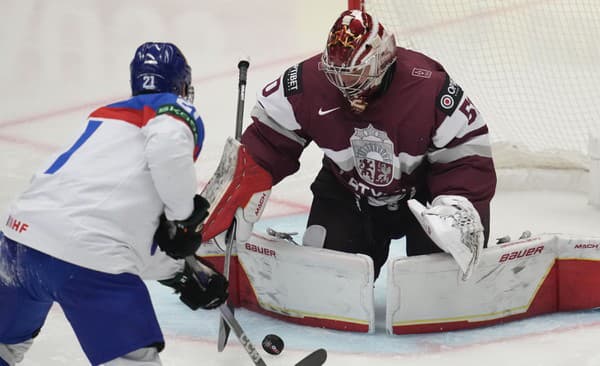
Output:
x=160 y=68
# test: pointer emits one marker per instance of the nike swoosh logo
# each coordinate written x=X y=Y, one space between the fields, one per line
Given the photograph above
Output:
x=327 y=111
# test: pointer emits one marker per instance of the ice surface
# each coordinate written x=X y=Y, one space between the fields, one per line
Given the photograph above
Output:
x=62 y=59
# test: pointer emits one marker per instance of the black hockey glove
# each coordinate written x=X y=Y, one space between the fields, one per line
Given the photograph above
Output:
x=178 y=239
x=207 y=289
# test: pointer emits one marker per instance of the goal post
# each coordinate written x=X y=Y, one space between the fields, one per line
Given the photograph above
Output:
x=356 y=4
x=531 y=67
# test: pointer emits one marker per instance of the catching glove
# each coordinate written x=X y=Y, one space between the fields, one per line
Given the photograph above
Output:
x=454 y=225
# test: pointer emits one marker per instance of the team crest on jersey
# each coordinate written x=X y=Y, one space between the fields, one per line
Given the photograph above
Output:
x=373 y=155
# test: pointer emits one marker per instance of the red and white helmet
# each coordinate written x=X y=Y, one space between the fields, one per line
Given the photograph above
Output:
x=358 y=53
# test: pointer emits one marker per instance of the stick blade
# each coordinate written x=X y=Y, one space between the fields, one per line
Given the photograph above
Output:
x=316 y=358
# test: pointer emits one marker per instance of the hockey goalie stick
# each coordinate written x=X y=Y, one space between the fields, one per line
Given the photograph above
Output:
x=315 y=358
x=243 y=68
x=230 y=240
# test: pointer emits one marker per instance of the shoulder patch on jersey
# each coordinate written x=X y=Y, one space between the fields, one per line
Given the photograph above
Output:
x=292 y=80
x=179 y=113
x=449 y=96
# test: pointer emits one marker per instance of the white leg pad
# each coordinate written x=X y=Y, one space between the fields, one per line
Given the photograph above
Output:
x=306 y=285
x=13 y=353
x=537 y=275
x=141 y=357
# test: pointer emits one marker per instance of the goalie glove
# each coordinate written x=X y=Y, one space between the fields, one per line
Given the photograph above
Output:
x=455 y=226
x=181 y=238
x=205 y=288
x=238 y=190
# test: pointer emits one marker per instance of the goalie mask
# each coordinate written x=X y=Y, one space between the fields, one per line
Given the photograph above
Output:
x=359 y=51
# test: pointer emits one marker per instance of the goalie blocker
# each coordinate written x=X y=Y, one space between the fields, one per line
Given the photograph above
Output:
x=239 y=189
x=324 y=288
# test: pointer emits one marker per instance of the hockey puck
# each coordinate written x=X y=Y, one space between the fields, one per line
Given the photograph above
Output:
x=272 y=344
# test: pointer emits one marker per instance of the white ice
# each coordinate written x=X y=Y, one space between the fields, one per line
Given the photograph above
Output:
x=61 y=59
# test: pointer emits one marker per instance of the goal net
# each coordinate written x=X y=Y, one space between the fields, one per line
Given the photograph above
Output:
x=531 y=67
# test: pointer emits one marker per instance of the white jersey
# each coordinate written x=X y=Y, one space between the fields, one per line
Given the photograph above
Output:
x=97 y=204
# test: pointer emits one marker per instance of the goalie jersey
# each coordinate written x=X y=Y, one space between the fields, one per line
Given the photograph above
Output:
x=97 y=203
x=422 y=134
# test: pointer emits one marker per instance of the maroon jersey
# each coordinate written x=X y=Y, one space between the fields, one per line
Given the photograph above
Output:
x=422 y=133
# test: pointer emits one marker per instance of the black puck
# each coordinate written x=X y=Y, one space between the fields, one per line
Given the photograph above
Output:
x=272 y=344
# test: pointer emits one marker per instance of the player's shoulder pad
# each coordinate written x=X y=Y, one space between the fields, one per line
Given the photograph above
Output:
x=292 y=80
x=449 y=96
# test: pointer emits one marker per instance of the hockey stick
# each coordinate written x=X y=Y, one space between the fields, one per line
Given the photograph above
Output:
x=316 y=358
x=226 y=313
x=227 y=316
x=243 y=67
x=230 y=240
x=223 y=326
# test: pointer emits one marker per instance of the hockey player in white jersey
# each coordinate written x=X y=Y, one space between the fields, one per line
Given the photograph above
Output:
x=84 y=233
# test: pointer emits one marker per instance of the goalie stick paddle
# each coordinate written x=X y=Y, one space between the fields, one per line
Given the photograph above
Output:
x=242 y=79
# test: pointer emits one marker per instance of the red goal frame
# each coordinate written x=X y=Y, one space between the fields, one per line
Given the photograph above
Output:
x=356 y=4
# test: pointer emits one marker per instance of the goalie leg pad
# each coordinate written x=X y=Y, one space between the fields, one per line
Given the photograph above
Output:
x=305 y=285
x=513 y=281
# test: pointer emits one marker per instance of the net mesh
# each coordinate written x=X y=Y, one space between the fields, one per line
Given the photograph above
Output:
x=529 y=66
